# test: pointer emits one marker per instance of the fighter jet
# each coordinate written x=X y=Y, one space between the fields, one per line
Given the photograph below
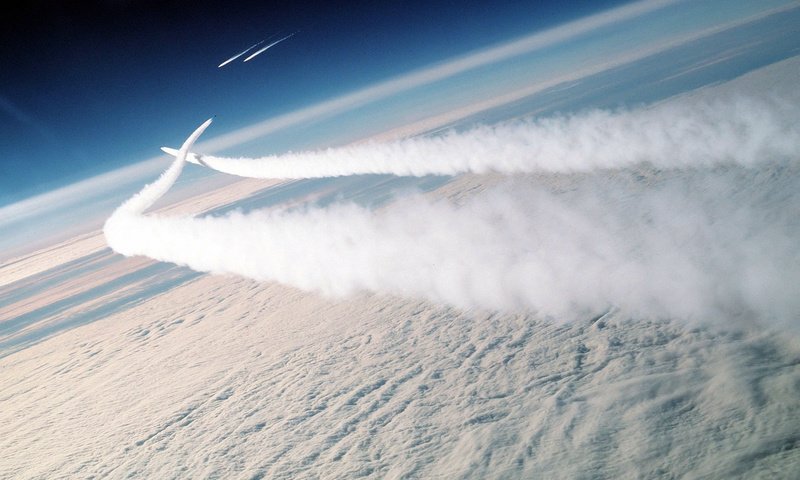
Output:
x=190 y=157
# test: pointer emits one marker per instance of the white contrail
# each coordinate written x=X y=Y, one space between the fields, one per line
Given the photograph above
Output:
x=713 y=248
x=677 y=134
x=264 y=49
x=715 y=240
x=242 y=53
x=152 y=192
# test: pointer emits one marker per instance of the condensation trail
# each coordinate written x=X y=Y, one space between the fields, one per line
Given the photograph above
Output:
x=259 y=52
x=242 y=53
x=677 y=134
x=712 y=239
x=152 y=192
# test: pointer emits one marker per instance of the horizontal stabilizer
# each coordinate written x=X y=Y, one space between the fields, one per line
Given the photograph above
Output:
x=190 y=157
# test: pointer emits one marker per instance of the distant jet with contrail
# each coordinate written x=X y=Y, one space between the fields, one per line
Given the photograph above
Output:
x=268 y=46
x=242 y=53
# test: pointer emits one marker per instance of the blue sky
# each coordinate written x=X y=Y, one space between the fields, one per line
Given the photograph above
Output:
x=94 y=85
x=95 y=91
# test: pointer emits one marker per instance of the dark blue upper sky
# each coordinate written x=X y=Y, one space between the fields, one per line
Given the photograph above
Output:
x=88 y=86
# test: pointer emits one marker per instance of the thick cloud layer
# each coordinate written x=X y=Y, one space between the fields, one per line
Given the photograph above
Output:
x=715 y=241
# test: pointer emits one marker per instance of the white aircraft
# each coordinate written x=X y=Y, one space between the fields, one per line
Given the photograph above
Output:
x=190 y=157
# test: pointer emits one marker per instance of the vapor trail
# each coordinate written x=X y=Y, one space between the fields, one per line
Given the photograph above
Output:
x=697 y=249
x=242 y=53
x=677 y=134
x=152 y=192
x=714 y=241
x=264 y=49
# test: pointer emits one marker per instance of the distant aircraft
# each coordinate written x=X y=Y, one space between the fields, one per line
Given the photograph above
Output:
x=268 y=46
x=242 y=53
